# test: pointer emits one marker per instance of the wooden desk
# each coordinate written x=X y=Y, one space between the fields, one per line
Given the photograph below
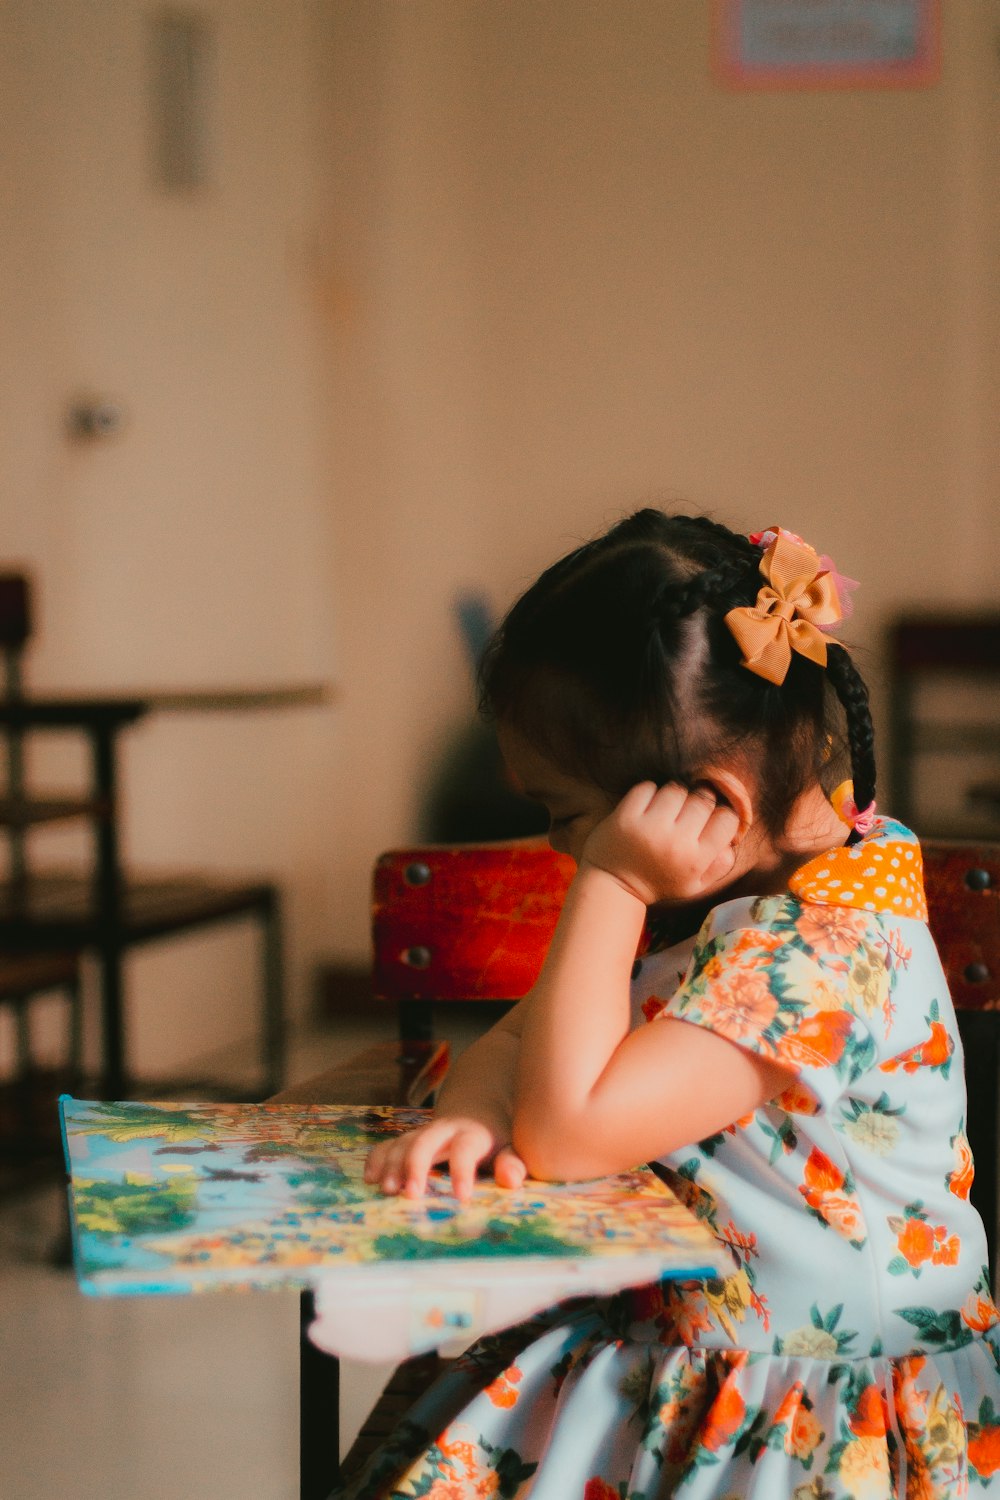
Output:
x=102 y=912
x=445 y=1305
x=273 y=1195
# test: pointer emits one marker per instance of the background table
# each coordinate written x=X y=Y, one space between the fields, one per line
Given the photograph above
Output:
x=104 y=912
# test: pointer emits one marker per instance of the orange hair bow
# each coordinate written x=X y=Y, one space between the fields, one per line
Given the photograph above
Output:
x=798 y=597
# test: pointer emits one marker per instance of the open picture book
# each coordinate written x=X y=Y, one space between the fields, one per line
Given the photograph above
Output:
x=181 y=1198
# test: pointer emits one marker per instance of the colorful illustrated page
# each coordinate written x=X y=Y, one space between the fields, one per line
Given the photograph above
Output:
x=182 y=1198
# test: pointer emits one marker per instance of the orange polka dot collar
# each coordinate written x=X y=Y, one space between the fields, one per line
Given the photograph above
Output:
x=883 y=873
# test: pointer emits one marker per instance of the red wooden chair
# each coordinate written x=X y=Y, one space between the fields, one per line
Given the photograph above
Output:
x=472 y=923
x=963 y=893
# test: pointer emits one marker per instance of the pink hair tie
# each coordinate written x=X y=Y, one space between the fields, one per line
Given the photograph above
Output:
x=847 y=809
x=862 y=822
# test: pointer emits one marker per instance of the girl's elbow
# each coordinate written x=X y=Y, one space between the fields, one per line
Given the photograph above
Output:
x=549 y=1152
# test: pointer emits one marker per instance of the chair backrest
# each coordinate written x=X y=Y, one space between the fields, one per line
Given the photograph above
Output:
x=963 y=895
x=469 y=922
x=472 y=922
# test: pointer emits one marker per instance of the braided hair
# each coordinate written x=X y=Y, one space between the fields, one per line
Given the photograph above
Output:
x=618 y=664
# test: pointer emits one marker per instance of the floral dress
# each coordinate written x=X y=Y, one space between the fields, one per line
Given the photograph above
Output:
x=853 y=1354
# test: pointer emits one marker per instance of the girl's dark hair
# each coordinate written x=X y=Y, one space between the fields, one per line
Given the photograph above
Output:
x=618 y=664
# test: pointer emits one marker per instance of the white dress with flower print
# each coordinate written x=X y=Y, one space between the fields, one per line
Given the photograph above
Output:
x=854 y=1352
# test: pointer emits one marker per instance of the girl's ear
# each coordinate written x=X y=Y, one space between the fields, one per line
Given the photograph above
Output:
x=733 y=788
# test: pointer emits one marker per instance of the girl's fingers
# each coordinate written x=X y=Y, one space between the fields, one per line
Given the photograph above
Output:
x=426 y=1147
x=697 y=810
x=467 y=1151
x=403 y=1164
x=706 y=819
x=668 y=842
x=390 y=1175
x=373 y=1162
x=387 y=1164
x=722 y=826
x=683 y=817
x=509 y=1170
x=719 y=841
x=639 y=798
x=382 y=1161
x=666 y=801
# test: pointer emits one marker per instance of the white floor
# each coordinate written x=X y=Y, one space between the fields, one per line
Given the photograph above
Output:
x=158 y=1398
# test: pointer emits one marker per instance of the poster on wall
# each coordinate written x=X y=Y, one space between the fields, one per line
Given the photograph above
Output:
x=816 y=44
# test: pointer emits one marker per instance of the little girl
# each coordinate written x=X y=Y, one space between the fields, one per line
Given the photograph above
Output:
x=785 y=1050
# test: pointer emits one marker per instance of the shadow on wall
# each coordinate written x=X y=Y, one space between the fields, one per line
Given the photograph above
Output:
x=469 y=797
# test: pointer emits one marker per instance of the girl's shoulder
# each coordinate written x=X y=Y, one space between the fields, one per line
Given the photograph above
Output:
x=838 y=903
x=883 y=874
x=881 y=877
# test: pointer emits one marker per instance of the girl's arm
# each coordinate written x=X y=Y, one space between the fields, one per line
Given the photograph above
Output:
x=482 y=1080
x=471 y=1125
x=591 y=1097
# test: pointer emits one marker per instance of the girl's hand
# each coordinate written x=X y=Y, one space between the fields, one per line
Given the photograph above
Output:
x=402 y=1165
x=665 y=843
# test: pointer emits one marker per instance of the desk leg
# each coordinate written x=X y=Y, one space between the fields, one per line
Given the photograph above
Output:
x=319 y=1411
x=273 y=1030
x=114 y=1081
x=416 y=1021
x=108 y=895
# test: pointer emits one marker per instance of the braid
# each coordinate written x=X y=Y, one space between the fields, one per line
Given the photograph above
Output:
x=733 y=541
x=735 y=576
x=850 y=689
x=674 y=601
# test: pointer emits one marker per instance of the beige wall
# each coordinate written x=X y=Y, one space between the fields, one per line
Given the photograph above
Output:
x=193 y=549
x=472 y=278
x=567 y=272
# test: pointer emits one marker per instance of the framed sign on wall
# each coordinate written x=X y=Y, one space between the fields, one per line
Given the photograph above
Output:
x=823 y=44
